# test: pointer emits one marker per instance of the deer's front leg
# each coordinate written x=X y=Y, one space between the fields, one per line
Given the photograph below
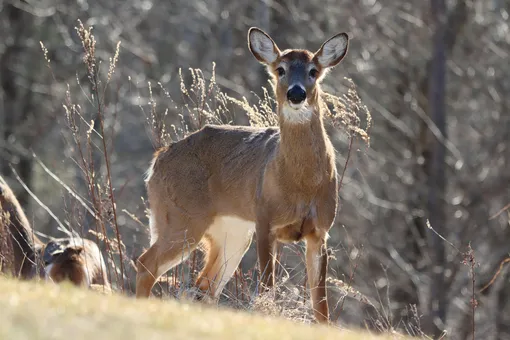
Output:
x=265 y=252
x=316 y=268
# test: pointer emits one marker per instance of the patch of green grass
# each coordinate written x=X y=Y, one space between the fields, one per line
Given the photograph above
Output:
x=31 y=310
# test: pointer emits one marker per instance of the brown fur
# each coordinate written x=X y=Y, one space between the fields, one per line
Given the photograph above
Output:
x=18 y=244
x=283 y=179
x=76 y=260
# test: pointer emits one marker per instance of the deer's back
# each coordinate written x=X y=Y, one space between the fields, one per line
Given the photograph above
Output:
x=216 y=169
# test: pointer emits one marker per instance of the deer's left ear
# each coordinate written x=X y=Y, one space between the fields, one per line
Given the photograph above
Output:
x=333 y=50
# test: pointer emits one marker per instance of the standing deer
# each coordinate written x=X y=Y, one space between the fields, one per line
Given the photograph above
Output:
x=221 y=184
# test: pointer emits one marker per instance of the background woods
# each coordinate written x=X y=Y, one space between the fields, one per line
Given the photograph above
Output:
x=434 y=75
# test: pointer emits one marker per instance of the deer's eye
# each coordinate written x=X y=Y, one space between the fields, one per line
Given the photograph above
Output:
x=281 y=71
x=314 y=73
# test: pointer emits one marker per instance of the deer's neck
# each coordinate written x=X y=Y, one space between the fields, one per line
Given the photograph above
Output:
x=305 y=157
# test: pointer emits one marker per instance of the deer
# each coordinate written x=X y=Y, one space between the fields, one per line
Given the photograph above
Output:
x=219 y=185
x=19 y=246
x=76 y=260
x=26 y=256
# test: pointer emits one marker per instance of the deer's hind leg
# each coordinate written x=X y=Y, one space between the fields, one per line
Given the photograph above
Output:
x=181 y=238
x=228 y=239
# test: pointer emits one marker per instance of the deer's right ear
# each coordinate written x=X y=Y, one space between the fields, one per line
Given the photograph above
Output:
x=262 y=46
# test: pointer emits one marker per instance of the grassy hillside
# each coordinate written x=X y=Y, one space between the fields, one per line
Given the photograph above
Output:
x=41 y=311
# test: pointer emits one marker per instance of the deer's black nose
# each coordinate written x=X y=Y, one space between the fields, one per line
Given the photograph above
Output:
x=296 y=94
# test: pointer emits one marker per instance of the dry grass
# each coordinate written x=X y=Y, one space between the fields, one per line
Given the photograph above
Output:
x=206 y=103
x=40 y=311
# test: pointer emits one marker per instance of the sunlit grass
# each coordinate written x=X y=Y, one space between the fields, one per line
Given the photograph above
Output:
x=45 y=311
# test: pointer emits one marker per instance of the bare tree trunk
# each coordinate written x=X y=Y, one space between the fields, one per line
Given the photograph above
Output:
x=437 y=177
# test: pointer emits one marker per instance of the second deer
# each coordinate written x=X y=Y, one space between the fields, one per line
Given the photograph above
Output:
x=221 y=184
x=77 y=260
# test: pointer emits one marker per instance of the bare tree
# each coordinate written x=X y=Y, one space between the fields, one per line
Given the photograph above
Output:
x=436 y=171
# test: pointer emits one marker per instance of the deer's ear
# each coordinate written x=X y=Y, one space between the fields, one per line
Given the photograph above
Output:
x=333 y=50
x=52 y=248
x=262 y=46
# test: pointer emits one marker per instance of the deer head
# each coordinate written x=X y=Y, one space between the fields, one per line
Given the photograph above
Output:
x=297 y=73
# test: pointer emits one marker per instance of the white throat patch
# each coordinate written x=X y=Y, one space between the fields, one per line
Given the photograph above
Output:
x=296 y=113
